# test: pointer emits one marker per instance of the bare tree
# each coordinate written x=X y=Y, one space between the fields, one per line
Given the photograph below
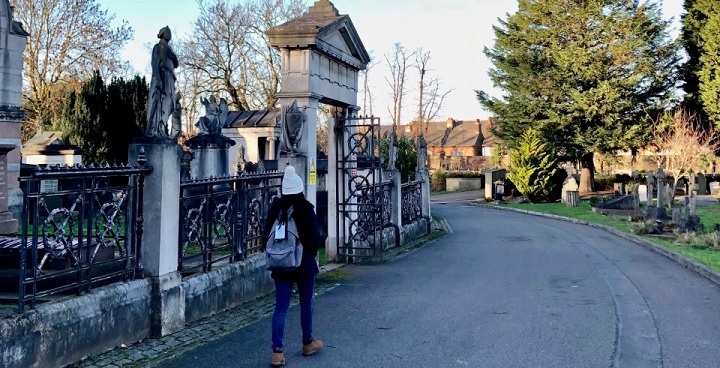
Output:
x=323 y=137
x=398 y=62
x=430 y=98
x=682 y=145
x=367 y=107
x=69 y=40
x=233 y=55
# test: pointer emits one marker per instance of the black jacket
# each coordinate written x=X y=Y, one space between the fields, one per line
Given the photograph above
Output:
x=308 y=231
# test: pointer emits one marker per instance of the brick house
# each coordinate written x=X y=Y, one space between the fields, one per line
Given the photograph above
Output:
x=453 y=144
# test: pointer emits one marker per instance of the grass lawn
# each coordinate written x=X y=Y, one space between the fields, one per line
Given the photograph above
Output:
x=709 y=216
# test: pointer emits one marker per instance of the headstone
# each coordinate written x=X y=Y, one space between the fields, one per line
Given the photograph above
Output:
x=650 y=188
x=714 y=188
x=569 y=185
x=701 y=183
x=642 y=192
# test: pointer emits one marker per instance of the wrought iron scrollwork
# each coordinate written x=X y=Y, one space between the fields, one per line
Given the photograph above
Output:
x=411 y=201
x=222 y=219
x=82 y=222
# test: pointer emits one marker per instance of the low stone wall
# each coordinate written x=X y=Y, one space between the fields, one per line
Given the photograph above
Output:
x=416 y=229
x=460 y=184
x=60 y=333
x=225 y=287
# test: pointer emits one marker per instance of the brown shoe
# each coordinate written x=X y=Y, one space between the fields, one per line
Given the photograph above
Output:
x=278 y=359
x=313 y=347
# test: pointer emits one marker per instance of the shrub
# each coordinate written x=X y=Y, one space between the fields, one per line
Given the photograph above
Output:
x=437 y=181
x=532 y=166
x=406 y=161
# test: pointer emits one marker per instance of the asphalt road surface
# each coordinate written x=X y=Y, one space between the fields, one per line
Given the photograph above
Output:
x=503 y=290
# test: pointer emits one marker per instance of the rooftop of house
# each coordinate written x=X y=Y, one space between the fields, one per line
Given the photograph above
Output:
x=448 y=133
x=49 y=143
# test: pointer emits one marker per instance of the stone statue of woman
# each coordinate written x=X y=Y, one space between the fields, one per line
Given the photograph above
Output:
x=161 y=103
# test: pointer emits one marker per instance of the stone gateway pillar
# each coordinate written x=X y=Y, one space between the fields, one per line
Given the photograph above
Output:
x=321 y=57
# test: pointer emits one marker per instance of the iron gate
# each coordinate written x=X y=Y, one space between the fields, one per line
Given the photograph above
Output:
x=360 y=194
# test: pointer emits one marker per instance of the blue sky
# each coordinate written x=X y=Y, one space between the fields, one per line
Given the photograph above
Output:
x=454 y=31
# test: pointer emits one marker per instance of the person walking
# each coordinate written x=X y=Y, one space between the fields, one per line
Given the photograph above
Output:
x=304 y=276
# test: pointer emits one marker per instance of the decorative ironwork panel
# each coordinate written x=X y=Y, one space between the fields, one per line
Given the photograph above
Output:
x=222 y=219
x=411 y=201
x=81 y=228
x=360 y=197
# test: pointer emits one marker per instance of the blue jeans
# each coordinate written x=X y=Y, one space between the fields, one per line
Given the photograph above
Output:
x=283 y=293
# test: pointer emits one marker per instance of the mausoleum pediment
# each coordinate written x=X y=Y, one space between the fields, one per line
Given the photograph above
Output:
x=322 y=28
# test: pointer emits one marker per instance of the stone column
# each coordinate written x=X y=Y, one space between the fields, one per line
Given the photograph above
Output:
x=159 y=248
x=307 y=146
x=422 y=174
x=396 y=200
x=334 y=233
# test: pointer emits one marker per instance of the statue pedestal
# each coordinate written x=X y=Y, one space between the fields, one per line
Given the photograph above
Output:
x=211 y=155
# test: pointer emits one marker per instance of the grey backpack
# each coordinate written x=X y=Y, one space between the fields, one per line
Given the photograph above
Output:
x=283 y=249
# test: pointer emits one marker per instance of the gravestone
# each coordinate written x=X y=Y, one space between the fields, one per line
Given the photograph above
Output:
x=714 y=188
x=701 y=184
x=569 y=185
x=642 y=192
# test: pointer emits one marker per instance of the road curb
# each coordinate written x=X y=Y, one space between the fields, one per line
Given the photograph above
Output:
x=678 y=258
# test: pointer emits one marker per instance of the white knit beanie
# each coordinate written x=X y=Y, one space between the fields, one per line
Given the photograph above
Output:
x=291 y=183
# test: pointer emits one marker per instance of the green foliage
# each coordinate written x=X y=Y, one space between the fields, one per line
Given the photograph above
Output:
x=498 y=154
x=407 y=156
x=103 y=120
x=533 y=166
x=701 y=71
x=585 y=74
x=437 y=181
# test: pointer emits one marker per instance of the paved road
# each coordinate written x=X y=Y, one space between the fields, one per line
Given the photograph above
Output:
x=504 y=290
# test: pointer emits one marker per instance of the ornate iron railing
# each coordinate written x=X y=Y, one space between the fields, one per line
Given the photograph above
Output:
x=411 y=201
x=222 y=219
x=373 y=208
x=81 y=228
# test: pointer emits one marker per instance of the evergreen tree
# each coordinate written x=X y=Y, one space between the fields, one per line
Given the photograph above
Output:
x=82 y=120
x=701 y=72
x=533 y=166
x=585 y=74
x=406 y=161
x=104 y=120
x=126 y=115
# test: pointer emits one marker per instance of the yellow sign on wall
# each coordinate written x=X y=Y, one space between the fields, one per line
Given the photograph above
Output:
x=313 y=176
